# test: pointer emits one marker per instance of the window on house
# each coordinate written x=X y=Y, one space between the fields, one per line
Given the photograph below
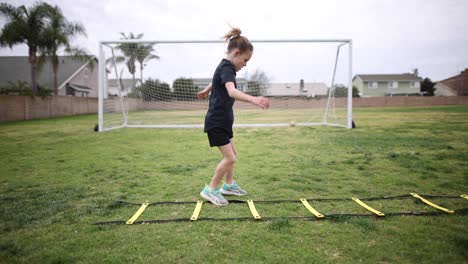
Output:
x=414 y=84
x=393 y=84
x=86 y=73
x=372 y=84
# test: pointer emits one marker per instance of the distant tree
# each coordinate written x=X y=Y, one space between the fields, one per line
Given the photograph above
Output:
x=23 y=88
x=58 y=33
x=130 y=52
x=355 y=92
x=257 y=83
x=145 y=54
x=185 y=89
x=427 y=87
x=25 y=26
x=342 y=91
x=254 y=88
x=152 y=90
x=133 y=53
x=18 y=88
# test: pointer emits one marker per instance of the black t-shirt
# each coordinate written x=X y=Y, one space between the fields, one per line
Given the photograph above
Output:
x=220 y=113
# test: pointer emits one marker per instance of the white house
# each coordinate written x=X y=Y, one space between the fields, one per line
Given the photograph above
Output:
x=372 y=85
x=296 y=89
x=242 y=84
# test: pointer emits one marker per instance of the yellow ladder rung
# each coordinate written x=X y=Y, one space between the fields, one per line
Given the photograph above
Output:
x=464 y=196
x=368 y=207
x=253 y=210
x=432 y=204
x=311 y=209
x=137 y=214
x=196 y=212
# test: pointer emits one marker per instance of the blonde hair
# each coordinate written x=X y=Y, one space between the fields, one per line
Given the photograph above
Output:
x=236 y=41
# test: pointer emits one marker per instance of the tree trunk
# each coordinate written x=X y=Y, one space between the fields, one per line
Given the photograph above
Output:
x=55 y=66
x=141 y=73
x=132 y=70
x=33 y=62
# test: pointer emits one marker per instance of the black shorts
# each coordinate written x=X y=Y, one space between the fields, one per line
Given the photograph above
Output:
x=219 y=137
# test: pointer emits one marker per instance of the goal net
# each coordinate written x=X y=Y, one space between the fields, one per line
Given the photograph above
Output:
x=154 y=83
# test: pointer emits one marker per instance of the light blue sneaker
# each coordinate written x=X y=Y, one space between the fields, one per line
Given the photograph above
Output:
x=214 y=196
x=232 y=189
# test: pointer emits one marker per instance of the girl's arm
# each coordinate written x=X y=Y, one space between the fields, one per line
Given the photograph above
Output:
x=261 y=101
x=203 y=94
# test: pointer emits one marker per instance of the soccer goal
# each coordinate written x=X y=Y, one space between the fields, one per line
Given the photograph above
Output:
x=154 y=83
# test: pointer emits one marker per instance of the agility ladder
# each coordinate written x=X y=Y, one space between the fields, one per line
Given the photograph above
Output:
x=316 y=215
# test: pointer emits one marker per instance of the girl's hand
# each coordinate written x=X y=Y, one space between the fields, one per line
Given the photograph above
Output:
x=203 y=94
x=263 y=102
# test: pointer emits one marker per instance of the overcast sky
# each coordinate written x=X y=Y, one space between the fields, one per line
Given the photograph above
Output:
x=389 y=36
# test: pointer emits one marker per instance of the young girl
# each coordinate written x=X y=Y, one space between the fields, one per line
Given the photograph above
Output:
x=220 y=116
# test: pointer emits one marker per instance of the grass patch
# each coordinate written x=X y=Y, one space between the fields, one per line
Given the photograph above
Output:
x=58 y=177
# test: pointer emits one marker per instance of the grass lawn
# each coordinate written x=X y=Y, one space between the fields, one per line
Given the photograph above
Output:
x=58 y=177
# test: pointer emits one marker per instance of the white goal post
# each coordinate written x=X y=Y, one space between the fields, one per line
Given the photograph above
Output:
x=154 y=83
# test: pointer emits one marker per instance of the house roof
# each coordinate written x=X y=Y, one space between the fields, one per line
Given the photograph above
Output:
x=202 y=82
x=444 y=90
x=294 y=89
x=457 y=83
x=18 y=68
x=80 y=88
x=388 y=77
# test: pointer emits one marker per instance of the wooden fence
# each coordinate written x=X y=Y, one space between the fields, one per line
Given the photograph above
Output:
x=14 y=108
x=29 y=107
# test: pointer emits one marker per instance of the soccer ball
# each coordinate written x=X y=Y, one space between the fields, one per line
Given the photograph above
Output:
x=292 y=123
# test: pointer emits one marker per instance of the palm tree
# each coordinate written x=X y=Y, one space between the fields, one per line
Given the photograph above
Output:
x=144 y=55
x=130 y=51
x=24 y=26
x=58 y=34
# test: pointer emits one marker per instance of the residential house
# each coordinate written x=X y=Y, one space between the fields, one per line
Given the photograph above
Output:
x=297 y=89
x=76 y=77
x=373 y=85
x=242 y=84
x=276 y=89
x=453 y=86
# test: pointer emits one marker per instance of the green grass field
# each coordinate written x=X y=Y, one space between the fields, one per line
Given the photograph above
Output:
x=58 y=177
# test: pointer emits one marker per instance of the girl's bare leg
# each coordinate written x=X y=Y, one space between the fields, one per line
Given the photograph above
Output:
x=230 y=171
x=225 y=166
